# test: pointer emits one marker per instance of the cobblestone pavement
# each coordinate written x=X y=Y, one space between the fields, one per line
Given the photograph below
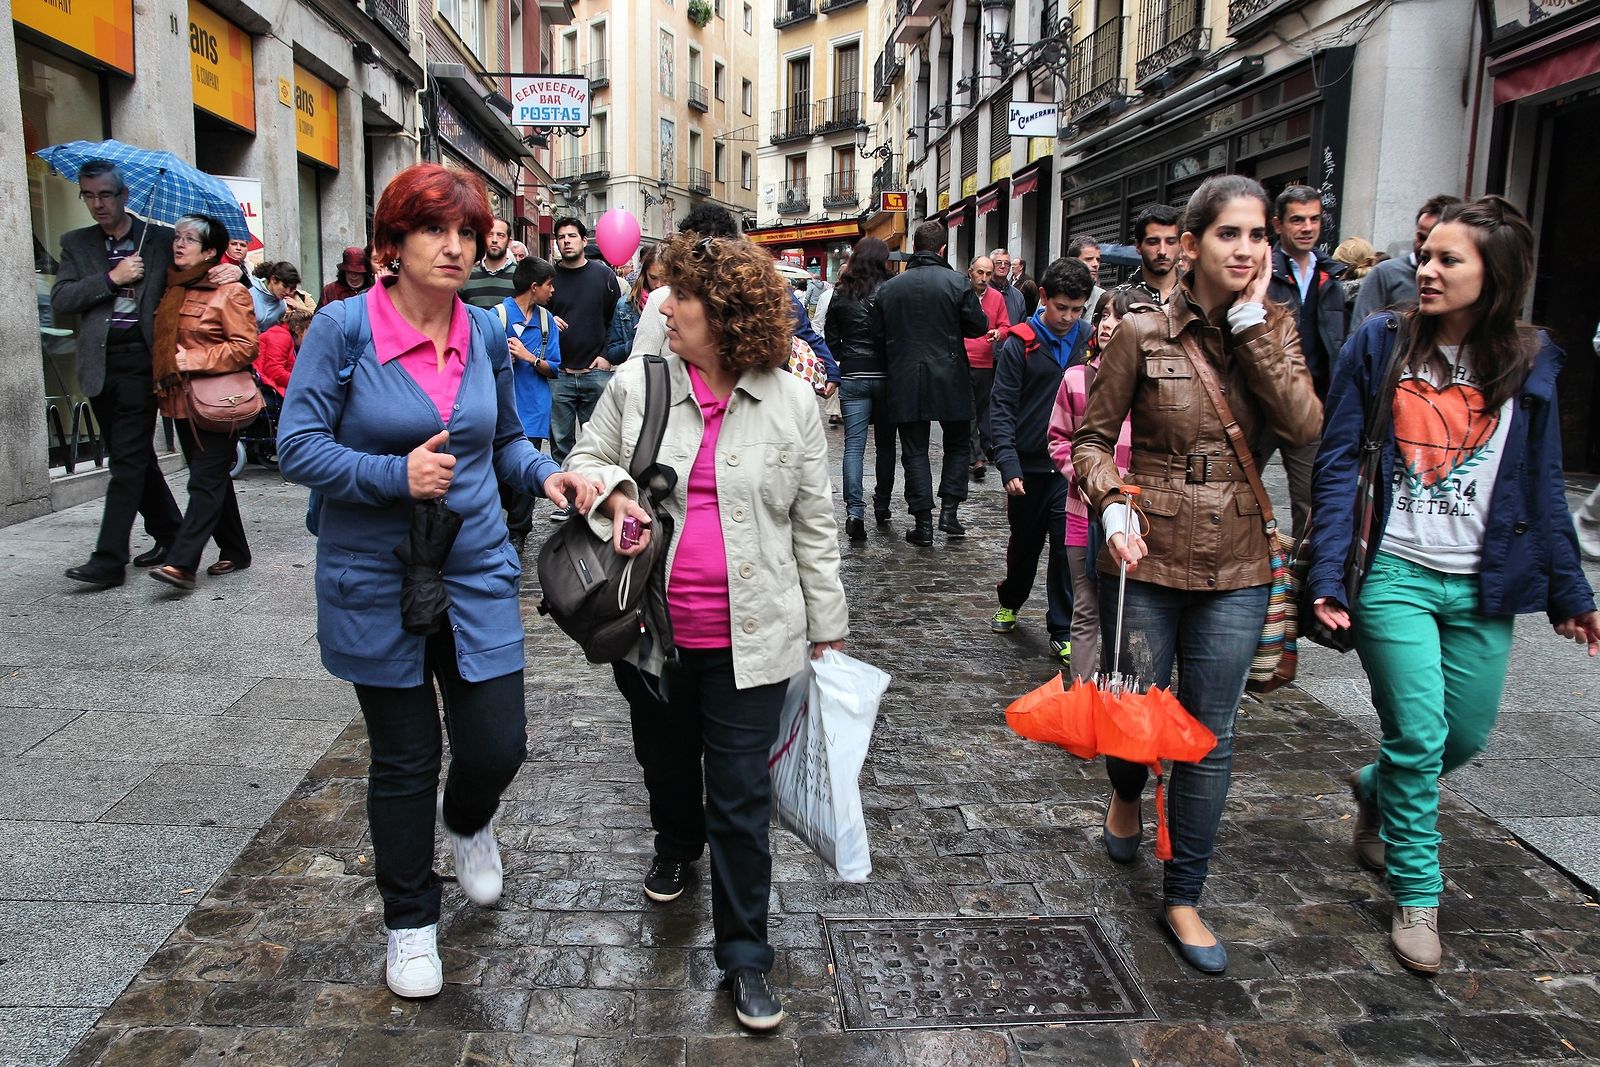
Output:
x=281 y=961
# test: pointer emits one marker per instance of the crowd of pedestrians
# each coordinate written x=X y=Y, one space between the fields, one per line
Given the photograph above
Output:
x=442 y=363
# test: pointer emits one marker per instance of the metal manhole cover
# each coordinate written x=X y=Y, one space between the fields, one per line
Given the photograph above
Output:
x=910 y=973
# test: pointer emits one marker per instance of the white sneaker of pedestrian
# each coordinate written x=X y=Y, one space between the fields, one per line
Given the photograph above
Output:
x=1588 y=538
x=414 y=969
x=478 y=869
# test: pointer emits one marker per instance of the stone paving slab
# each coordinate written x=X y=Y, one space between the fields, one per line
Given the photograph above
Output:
x=281 y=961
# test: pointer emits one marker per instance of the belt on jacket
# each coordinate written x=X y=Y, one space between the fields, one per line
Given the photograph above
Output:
x=1196 y=468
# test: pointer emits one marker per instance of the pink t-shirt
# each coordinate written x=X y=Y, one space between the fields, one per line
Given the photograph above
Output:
x=697 y=595
x=395 y=338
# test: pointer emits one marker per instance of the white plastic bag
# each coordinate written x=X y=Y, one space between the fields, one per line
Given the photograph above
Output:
x=816 y=762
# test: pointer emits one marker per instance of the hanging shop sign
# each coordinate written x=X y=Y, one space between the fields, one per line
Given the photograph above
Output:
x=316 y=118
x=100 y=31
x=892 y=201
x=1033 y=119
x=549 y=100
x=222 y=68
x=819 y=232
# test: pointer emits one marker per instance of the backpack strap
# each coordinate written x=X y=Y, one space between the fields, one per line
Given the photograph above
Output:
x=1024 y=330
x=644 y=469
x=494 y=341
x=357 y=332
x=505 y=320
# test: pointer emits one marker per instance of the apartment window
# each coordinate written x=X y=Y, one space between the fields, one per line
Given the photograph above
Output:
x=569 y=52
x=599 y=132
x=847 y=69
x=800 y=85
x=719 y=161
x=749 y=17
x=795 y=167
x=747 y=96
x=745 y=171
x=694 y=158
x=719 y=80
x=694 y=64
x=466 y=17
x=664 y=62
x=597 y=42
x=722 y=9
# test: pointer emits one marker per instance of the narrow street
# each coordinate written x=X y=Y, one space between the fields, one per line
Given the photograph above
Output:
x=149 y=742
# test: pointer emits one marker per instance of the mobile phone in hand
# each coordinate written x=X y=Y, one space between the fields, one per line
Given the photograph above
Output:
x=632 y=531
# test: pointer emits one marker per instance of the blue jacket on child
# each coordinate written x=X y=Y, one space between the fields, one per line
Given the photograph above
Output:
x=350 y=442
x=1530 y=550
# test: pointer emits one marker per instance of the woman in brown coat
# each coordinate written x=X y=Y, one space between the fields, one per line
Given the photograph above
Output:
x=201 y=328
x=1201 y=554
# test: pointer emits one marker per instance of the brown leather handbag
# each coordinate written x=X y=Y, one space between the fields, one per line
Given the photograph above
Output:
x=223 y=403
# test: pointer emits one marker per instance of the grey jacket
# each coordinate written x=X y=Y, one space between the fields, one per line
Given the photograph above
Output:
x=82 y=289
x=1390 y=284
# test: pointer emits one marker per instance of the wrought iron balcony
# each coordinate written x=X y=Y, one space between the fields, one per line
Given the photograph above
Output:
x=595 y=166
x=886 y=70
x=394 y=16
x=1249 y=19
x=1172 y=37
x=839 y=190
x=699 y=181
x=598 y=73
x=837 y=113
x=1096 y=84
x=910 y=25
x=699 y=99
x=835 y=5
x=794 y=197
x=791 y=123
x=790 y=12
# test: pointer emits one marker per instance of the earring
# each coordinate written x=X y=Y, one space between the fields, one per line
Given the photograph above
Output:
x=394 y=265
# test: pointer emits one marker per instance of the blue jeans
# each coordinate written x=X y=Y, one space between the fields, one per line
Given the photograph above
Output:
x=1212 y=637
x=857 y=399
x=572 y=400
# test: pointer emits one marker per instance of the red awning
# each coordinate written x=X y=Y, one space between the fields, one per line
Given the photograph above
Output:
x=955 y=219
x=988 y=203
x=1549 y=72
x=1024 y=185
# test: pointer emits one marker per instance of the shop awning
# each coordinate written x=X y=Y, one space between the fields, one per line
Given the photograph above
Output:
x=1021 y=187
x=956 y=213
x=1538 y=68
x=990 y=200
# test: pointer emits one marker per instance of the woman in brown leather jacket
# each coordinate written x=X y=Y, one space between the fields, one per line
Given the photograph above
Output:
x=1198 y=564
x=201 y=328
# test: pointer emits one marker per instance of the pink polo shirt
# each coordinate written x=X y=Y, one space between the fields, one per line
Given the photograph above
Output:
x=395 y=338
x=697 y=595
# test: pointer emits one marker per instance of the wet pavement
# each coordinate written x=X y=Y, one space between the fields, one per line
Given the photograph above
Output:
x=280 y=961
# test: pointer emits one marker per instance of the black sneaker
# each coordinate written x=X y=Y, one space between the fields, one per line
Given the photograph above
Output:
x=667 y=879
x=560 y=514
x=753 y=1001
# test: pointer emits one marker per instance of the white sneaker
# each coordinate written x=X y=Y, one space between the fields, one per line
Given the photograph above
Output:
x=414 y=969
x=478 y=869
x=1588 y=538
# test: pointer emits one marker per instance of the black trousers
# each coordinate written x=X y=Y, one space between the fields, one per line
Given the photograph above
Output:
x=953 y=473
x=487 y=725
x=213 y=508
x=519 y=505
x=1038 y=519
x=982 y=436
x=710 y=739
x=125 y=408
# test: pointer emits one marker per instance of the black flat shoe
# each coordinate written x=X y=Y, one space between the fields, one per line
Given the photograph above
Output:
x=855 y=529
x=1207 y=959
x=97 y=575
x=881 y=517
x=153 y=558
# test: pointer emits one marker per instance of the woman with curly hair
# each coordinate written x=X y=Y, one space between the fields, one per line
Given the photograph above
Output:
x=752 y=580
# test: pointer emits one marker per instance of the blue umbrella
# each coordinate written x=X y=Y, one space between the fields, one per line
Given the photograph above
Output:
x=168 y=187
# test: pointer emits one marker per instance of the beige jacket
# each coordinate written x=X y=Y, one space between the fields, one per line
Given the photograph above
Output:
x=774 y=496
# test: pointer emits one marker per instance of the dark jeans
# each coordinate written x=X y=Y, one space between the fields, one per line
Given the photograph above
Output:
x=572 y=400
x=213 y=508
x=1212 y=637
x=125 y=408
x=982 y=436
x=488 y=742
x=859 y=399
x=519 y=505
x=708 y=720
x=953 y=474
x=1038 y=520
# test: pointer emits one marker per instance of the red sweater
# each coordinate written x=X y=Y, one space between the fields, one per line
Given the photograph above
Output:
x=275 y=358
x=980 y=350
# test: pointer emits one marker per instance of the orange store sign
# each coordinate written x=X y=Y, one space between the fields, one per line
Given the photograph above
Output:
x=316 y=118
x=819 y=232
x=221 y=67
x=100 y=30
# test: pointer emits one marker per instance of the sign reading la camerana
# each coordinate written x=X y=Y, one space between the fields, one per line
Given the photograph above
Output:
x=549 y=100
x=1030 y=119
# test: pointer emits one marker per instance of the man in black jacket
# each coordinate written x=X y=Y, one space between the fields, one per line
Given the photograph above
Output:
x=1028 y=367
x=919 y=321
x=1307 y=283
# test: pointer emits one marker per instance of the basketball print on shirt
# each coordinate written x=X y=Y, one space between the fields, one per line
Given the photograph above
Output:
x=1443 y=436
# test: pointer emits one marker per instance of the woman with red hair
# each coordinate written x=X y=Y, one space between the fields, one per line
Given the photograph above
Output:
x=400 y=395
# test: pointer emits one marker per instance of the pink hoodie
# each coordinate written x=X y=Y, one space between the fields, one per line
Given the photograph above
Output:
x=1071 y=400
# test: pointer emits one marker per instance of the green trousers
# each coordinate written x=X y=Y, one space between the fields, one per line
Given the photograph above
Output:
x=1437 y=667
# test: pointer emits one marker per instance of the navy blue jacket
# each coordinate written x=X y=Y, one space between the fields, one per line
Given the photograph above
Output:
x=1323 y=308
x=1026 y=381
x=1530 y=551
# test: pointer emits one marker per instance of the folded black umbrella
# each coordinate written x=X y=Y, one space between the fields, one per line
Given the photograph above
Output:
x=423 y=597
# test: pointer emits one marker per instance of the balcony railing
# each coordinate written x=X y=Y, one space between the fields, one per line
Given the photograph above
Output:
x=699 y=181
x=839 y=190
x=837 y=113
x=835 y=5
x=791 y=123
x=592 y=167
x=1172 y=36
x=699 y=99
x=1096 y=70
x=790 y=12
x=598 y=73
x=1248 y=19
x=794 y=197
x=886 y=178
x=394 y=16
x=886 y=70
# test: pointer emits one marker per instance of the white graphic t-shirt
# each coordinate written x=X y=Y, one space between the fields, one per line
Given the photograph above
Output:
x=1449 y=454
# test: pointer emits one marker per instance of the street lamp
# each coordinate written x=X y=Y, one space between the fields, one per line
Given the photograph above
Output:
x=1053 y=52
x=882 y=152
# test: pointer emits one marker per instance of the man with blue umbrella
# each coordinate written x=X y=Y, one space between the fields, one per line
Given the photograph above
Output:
x=112 y=276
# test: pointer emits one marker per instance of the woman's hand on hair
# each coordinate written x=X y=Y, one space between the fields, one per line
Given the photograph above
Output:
x=429 y=468
x=565 y=489
x=819 y=647
x=620 y=506
x=1331 y=613
x=1584 y=629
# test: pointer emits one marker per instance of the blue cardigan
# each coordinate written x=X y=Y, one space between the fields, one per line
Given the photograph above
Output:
x=349 y=442
x=1530 y=551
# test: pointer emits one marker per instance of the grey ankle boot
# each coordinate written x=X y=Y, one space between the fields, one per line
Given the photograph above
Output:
x=1364 y=839
x=1414 y=934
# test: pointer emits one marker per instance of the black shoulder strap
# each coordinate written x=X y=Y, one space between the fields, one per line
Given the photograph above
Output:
x=644 y=469
x=1380 y=402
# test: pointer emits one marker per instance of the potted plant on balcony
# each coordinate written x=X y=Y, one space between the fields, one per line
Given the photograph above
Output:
x=699 y=12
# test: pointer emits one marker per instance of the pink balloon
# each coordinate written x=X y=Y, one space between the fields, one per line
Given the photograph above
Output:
x=617 y=234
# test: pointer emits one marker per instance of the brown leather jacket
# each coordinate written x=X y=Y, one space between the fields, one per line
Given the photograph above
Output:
x=1205 y=525
x=216 y=334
